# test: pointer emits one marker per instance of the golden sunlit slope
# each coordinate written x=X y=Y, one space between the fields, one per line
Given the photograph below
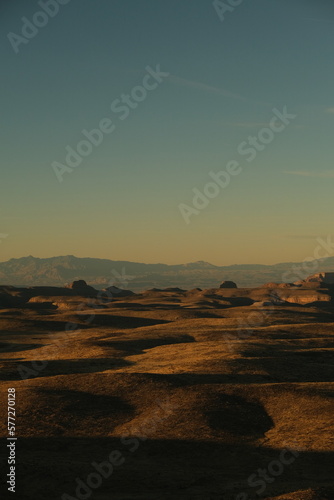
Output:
x=206 y=394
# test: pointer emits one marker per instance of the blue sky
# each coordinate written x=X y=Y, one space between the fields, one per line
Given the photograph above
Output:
x=225 y=78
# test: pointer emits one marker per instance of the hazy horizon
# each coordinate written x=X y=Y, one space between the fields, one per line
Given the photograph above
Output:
x=177 y=263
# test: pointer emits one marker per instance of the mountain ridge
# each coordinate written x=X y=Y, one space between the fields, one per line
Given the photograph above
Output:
x=55 y=271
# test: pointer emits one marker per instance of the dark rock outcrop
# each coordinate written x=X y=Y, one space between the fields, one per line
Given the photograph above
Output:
x=228 y=284
x=115 y=292
x=81 y=287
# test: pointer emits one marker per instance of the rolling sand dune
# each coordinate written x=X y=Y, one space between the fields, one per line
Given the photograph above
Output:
x=198 y=390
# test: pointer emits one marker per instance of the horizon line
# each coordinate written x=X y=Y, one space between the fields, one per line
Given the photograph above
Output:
x=162 y=263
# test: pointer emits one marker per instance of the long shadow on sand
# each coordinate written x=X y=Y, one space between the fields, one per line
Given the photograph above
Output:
x=236 y=415
x=8 y=347
x=61 y=367
x=154 y=469
x=138 y=346
x=124 y=321
x=83 y=404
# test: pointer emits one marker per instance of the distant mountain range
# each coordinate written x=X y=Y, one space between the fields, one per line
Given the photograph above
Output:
x=57 y=271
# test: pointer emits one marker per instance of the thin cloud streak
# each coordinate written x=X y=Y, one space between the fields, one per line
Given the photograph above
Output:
x=329 y=174
x=248 y=124
x=319 y=20
x=209 y=88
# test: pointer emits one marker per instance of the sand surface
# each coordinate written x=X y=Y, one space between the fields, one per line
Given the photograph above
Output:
x=197 y=390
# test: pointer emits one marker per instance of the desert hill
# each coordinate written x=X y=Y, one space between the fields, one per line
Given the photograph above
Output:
x=197 y=391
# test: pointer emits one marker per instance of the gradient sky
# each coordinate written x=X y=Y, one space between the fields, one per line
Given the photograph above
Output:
x=226 y=77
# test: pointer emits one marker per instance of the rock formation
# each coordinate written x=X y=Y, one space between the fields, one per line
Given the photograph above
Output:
x=325 y=278
x=228 y=284
x=116 y=292
x=82 y=288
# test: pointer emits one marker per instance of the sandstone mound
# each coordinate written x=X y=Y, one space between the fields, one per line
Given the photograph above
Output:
x=82 y=288
x=228 y=284
x=270 y=285
x=327 y=278
x=116 y=292
x=319 y=279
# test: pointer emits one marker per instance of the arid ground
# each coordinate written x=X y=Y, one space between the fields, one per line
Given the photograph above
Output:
x=202 y=394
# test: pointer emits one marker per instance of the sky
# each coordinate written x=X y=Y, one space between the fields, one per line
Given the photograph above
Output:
x=180 y=89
